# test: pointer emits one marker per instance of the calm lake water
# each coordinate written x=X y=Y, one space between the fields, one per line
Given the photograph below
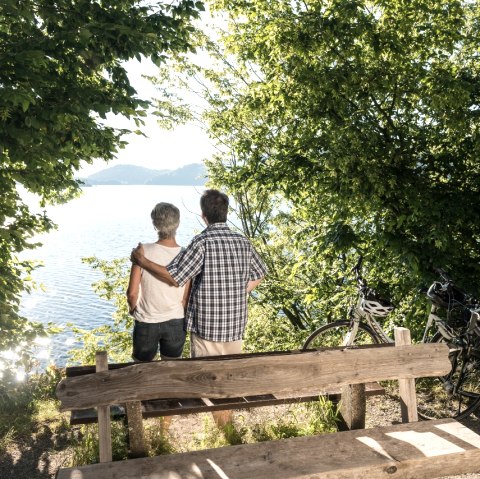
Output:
x=107 y=222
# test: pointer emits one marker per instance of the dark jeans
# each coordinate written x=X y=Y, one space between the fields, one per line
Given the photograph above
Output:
x=168 y=336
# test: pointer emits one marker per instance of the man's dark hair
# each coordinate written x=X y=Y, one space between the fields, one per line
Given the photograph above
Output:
x=214 y=205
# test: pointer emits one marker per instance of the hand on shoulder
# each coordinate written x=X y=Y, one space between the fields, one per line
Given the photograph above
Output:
x=137 y=255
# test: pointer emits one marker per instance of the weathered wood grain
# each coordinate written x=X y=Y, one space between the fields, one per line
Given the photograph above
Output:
x=136 y=437
x=72 y=371
x=421 y=450
x=104 y=425
x=247 y=376
x=353 y=406
x=406 y=387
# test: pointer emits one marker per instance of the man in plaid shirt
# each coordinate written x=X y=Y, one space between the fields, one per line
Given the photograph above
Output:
x=224 y=268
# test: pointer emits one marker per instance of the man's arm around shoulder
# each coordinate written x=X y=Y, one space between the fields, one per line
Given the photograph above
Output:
x=160 y=272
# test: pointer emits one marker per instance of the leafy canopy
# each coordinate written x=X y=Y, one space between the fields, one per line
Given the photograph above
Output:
x=362 y=119
x=62 y=71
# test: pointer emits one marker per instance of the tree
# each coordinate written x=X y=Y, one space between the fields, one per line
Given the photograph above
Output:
x=363 y=116
x=61 y=73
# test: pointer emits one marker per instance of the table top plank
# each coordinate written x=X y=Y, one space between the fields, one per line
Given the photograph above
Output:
x=422 y=450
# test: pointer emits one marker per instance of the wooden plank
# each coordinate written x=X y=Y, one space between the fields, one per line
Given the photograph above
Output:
x=333 y=393
x=421 y=450
x=104 y=425
x=171 y=407
x=247 y=376
x=74 y=371
x=406 y=387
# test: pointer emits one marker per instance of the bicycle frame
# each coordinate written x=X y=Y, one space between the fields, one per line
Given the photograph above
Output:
x=456 y=394
x=357 y=316
x=447 y=331
x=440 y=325
x=473 y=324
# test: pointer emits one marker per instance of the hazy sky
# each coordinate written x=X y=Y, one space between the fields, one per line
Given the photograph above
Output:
x=161 y=149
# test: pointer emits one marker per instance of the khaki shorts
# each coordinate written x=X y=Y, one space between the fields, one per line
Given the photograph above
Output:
x=200 y=347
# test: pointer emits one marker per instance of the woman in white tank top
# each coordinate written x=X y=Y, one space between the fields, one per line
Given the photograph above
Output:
x=158 y=308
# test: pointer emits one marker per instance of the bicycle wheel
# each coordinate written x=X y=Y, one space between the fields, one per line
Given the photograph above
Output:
x=335 y=334
x=456 y=395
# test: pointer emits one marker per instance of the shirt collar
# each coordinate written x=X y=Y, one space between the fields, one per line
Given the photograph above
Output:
x=217 y=225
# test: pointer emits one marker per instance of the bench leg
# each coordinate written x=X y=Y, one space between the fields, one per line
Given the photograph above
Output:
x=103 y=413
x=165 y=424
x=136 y=437
x=353 y=406
x=222 y=418
x=406 y=387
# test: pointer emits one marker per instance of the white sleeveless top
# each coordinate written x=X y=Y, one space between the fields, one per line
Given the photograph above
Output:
x=157 y=301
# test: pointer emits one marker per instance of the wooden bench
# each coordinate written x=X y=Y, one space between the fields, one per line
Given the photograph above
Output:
x=180 y=406
x=410 y=450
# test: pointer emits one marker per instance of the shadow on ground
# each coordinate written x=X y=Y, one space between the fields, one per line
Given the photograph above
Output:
x=36 y=457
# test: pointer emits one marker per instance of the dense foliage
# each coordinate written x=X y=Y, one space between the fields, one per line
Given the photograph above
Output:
x=362 y=119
x=61 y=73
x=116 y=337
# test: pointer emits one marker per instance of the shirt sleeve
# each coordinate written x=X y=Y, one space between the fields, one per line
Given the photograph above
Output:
x=257 y=267
x=187 y=264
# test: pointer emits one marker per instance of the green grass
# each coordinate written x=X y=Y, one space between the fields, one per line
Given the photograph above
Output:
x=85 y=444
x=156 y=439
x=251 y=426
x=26 y=407
x=6 y=439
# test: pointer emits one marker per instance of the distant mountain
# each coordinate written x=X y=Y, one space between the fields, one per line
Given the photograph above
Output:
x=194 y=174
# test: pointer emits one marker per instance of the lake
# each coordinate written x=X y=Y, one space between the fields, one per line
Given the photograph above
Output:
x=107 y=222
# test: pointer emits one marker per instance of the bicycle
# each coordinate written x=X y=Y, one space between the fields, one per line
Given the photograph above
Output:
x=458 y=393
x=361 y=327
x=455 y=395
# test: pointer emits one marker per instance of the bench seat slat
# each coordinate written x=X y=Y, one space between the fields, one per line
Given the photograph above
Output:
x=171 y=407
x=420 y=450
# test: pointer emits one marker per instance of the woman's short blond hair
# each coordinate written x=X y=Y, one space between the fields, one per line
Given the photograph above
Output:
x=165 y=219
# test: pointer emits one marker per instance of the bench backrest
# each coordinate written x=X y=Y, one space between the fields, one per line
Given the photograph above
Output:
x=249 y=375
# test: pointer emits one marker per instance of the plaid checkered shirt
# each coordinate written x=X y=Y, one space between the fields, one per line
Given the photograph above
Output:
x=220 y=263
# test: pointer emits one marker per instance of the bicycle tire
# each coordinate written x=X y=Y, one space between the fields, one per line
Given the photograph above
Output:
x=456 y=395
x=333 y=335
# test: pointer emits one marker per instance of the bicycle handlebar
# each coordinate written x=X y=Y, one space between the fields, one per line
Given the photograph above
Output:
x=356 y=269
x=361 y=282
x=443 y=274
x=453 y=292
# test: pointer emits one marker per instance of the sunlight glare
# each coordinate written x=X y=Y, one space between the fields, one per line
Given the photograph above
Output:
x=10 y=355
x=43 y=354
x=42 y=340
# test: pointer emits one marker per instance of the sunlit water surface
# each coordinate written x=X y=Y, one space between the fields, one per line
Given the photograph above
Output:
x=106 y=222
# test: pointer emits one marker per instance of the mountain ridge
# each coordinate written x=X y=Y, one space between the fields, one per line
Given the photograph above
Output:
x=194 y=174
